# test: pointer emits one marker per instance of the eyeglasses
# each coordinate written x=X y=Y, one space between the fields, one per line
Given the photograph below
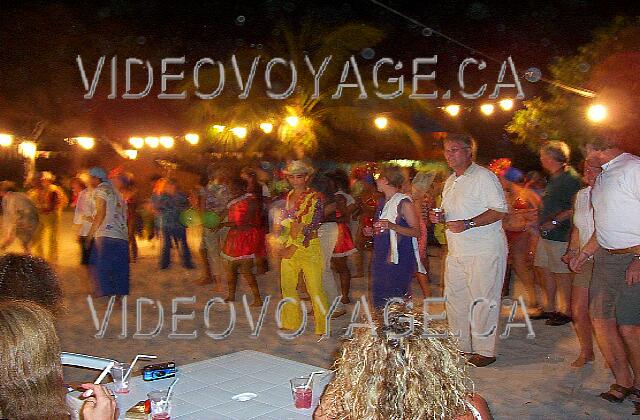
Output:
x=455 y=150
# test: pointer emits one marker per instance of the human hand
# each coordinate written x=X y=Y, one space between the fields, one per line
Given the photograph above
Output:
x=381 y=225
x=288 y=252
x=436 y=217
x=547 y=226
x=456 y=226
x=569 y=255
x=633 y=272
x=576 y=263
x=101 y=405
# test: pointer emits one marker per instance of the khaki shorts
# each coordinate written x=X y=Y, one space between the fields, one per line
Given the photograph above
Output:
x=583 y=278
x=609 y=295
x=549 y=255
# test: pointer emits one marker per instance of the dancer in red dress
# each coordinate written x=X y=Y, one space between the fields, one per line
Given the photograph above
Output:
x=245 y=240
x=344 y=246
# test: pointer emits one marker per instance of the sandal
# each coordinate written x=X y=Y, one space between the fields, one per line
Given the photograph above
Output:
x=609 y=396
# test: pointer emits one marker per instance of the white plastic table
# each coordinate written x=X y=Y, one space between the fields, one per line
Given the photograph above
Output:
x=205 y=388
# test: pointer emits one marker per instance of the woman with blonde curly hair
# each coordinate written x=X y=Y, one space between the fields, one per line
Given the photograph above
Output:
x=401 y=372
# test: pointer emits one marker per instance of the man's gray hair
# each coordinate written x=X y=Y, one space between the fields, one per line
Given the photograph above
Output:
x=465 y=139
x=558 y=150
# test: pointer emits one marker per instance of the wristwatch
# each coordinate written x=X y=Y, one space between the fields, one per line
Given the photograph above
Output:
x=469 y=223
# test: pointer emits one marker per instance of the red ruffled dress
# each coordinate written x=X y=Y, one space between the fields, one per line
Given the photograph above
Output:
x=344 y=245
x=247 y=238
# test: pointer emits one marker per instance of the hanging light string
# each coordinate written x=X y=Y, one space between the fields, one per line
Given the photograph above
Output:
x=579 y=91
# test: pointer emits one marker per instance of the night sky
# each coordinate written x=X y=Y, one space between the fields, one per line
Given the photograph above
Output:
x=39 y=42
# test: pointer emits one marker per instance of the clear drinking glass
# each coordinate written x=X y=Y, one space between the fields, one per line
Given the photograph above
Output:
x=160 y=405
x=301 y=392
x=121 y=386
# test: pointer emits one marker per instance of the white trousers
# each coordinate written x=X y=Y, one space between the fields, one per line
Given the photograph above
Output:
x=328 y=235
x=473 y=287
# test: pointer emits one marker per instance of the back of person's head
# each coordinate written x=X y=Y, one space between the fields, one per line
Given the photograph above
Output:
x=414 y=375
x=8 y=186
x=341 y=179
x=557 y=150
x=30 y=369
x=30 y=278
x=394 y=175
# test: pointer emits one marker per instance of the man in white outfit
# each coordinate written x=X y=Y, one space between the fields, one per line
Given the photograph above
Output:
x=474 y=206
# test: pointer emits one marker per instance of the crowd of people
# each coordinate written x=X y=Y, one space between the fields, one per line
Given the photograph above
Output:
x=571 y=243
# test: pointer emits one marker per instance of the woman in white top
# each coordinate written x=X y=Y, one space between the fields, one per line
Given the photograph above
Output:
x=83 y=215
x=583 y=228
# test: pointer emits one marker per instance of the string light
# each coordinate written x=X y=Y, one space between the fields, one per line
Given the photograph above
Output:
x=266 y=127
x=239 y=132
x=136 y=142
x=487 y=109
x=131 y=154
x=6 y=140
x=506 y=104
x=152 y=142
x=86 y=143
x=167 y=142
x=192 y=138
x=381 y=122
x=292 y=120
x=597 y=113
x=452 y=109
x=28 y=149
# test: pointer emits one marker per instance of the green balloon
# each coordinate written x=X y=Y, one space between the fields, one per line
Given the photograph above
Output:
x=210 y=219
x=190 y=217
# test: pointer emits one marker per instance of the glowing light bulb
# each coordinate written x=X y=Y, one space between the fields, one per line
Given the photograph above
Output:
x=86 y=143
x=452 y=110
x=487 y=109
x=131 y=154
x=239 y=132
x=266 y=127
x=152 y=142
x=381 y=122
x=292 y=120
x=597 y=113
x=167 y=142
x=506 y=104
x=192 y=138
x=6 y=140
x=136 y=142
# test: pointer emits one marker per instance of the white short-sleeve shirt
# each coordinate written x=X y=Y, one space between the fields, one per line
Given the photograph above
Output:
x=467 y=196
x=616 y=203
x=583 y=215
x=115 y=221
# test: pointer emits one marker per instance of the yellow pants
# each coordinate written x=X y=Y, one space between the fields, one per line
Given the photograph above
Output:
x=309 y=260
x=46 y=244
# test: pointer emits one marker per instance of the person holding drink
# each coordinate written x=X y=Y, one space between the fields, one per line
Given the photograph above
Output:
x=474 y=205
x=395 y=246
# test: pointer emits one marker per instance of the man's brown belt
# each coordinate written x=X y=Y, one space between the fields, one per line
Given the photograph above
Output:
x=630 y=250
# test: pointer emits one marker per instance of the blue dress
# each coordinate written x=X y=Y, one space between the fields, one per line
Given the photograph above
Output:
x=388 y=279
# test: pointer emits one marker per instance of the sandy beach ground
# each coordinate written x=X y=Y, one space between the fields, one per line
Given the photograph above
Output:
x=532 y=378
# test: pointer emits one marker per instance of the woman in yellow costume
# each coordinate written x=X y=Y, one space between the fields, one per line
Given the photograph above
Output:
x=300 y=247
